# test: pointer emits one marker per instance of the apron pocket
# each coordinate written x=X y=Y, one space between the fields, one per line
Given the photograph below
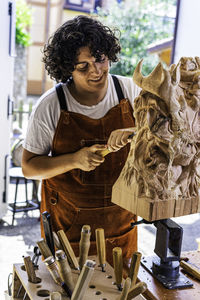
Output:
x=63 y=213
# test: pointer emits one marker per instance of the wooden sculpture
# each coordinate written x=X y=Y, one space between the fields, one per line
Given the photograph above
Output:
x=161 y=176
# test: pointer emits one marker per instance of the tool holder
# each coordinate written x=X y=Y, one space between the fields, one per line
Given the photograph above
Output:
x=165 y=266
x=101 y=285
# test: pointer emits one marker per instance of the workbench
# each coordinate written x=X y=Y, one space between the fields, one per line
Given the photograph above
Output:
x=101 y=285
x=156 y=291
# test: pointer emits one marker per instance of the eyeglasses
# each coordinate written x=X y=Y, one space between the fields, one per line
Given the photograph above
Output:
x=84 y=65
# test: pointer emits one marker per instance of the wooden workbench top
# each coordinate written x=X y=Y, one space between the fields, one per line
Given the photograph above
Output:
x=156 y=291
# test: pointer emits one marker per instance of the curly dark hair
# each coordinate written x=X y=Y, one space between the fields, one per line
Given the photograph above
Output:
x=62 y=49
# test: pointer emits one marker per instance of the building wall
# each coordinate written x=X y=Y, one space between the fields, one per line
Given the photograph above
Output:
x=187 y=40
x=47 y=16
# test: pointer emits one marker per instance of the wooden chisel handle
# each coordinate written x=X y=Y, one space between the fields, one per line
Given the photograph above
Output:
x=138 y=289
x=30 y=269
x=84 y=245
x=118 y=266
x=106 y=151
x=54 y=271
x=101 y=247
x=56 y=241
x=68 y=249
x=83 y=280
x=134 y=268
x=103 y=152
x=44 y=249
x=64 y=268
x=55 y=296
x=190 y=269
x=125 y=290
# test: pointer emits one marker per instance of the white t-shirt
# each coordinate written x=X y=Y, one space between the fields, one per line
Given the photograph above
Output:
x=44 y=118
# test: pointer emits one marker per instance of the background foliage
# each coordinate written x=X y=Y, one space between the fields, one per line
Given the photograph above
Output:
x=23 y=21
x=141 y=23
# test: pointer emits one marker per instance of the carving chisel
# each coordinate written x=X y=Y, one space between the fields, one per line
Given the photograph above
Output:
x=64 y=269
x=56 y=241
x=190 y=269
x=101 y=247
x=55 y=296
x=83 y=280
x=30 y=269
x=106 y=151
x=68 y=249
x=48 y=231
x=118 y=266
x=134 y=268
x=138 y=289
x=44 y=249
x=84 y=245
x=125 y=290
x=54 y=271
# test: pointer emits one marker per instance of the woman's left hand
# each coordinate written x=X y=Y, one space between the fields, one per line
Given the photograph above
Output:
x=119 y=138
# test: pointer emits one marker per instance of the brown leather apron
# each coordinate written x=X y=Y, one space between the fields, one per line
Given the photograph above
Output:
x=76 y=198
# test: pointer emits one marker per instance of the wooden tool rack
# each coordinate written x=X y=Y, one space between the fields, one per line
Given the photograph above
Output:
x=101 y=285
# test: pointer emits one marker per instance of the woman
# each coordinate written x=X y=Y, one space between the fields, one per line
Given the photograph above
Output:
x=70 y=126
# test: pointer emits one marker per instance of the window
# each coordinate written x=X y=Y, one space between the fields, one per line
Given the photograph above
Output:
x=82 y=5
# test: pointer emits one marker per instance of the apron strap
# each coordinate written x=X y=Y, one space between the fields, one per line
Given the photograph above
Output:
x=61 y=96
x=118 y=88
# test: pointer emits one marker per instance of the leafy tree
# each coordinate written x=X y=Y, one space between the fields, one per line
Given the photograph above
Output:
x=141 y=23
x=23 y=21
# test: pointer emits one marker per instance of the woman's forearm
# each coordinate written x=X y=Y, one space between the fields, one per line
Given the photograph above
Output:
x=44 y=167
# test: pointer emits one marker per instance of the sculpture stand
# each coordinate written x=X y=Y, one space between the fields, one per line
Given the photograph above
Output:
x=165 y=266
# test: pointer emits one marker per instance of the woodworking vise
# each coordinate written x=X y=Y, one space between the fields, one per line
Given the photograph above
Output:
x=165 y=266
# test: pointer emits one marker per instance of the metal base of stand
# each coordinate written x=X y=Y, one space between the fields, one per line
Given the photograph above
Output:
x=175 y=282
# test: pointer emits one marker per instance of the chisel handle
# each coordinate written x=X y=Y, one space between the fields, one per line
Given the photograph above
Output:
x=101 y=247
x=68 y=249
x=56 y=241
x=134 y=268
x=30 y=269
x=54 y=271
x=83 y=280
x=84 y=245
x=138 y=289
x=125 y=290
x=64 y=269
x=44 y=248
x=106 y=151
x=118 y=266
x=190 y=269
x=55 y=296
x=103 y=152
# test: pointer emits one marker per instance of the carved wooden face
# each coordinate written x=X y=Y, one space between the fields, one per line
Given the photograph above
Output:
x=164 y=155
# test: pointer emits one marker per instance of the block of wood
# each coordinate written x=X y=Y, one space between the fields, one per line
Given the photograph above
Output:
x=160 y=178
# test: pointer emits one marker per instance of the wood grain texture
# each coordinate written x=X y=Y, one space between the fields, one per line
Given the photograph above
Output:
x=160 y=178
x=68 y=249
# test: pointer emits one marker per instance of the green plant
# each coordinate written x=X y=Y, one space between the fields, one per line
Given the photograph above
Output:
x=23 y=22
x=141 y=23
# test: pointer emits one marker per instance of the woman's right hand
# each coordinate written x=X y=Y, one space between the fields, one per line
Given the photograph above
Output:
x=87 y=158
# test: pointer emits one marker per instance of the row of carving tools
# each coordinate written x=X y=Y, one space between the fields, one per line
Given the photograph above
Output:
x=62 y=261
